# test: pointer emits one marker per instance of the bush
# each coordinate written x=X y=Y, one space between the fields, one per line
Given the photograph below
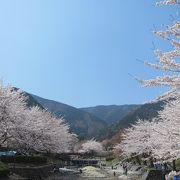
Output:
x=110 y=158
x=24 y=159
x=4 y=170
x=178 y=164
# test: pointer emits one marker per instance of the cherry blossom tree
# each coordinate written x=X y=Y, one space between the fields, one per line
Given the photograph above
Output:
x=12 y=104
x=168 y=61
x=29 y=130
x=161 y=136
x=168 y=131
x=56 y=136
x=166 y=135
x=91 y=146
x=168 y=2
x=137 y=139
x=42 y=132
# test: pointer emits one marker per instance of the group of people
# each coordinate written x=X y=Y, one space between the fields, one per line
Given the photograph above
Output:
x=125 y=169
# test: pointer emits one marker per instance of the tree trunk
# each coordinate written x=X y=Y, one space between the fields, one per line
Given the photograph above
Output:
x=174 y=165
x=151 y=162
x=138 y=160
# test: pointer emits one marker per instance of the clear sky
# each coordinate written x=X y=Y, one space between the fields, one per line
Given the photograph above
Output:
x=80 y=52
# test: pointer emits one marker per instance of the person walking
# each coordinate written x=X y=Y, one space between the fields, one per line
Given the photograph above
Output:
x=125 y=169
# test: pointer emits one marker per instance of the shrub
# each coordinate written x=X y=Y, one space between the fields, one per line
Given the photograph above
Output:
x=24 y=159
x=110 y=158
x=4 y=170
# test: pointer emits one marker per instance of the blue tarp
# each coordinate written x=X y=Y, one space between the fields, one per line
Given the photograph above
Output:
x=7 y=153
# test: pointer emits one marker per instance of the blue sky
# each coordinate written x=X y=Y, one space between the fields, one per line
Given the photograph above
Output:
x=80 y=51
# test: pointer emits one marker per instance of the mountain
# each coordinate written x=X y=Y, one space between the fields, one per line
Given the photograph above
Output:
x=111 y=113
x=146 y=112
x=29 y=99
x=101 y=122
x=84 y=124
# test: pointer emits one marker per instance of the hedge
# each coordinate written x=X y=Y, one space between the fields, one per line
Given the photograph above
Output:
x=110 y=158
x=24 y=159
x=4 y=170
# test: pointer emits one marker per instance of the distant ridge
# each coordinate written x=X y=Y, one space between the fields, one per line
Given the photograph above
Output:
x=146 y=112
x=84 y=124
x=29 y=99
x=111 y=113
